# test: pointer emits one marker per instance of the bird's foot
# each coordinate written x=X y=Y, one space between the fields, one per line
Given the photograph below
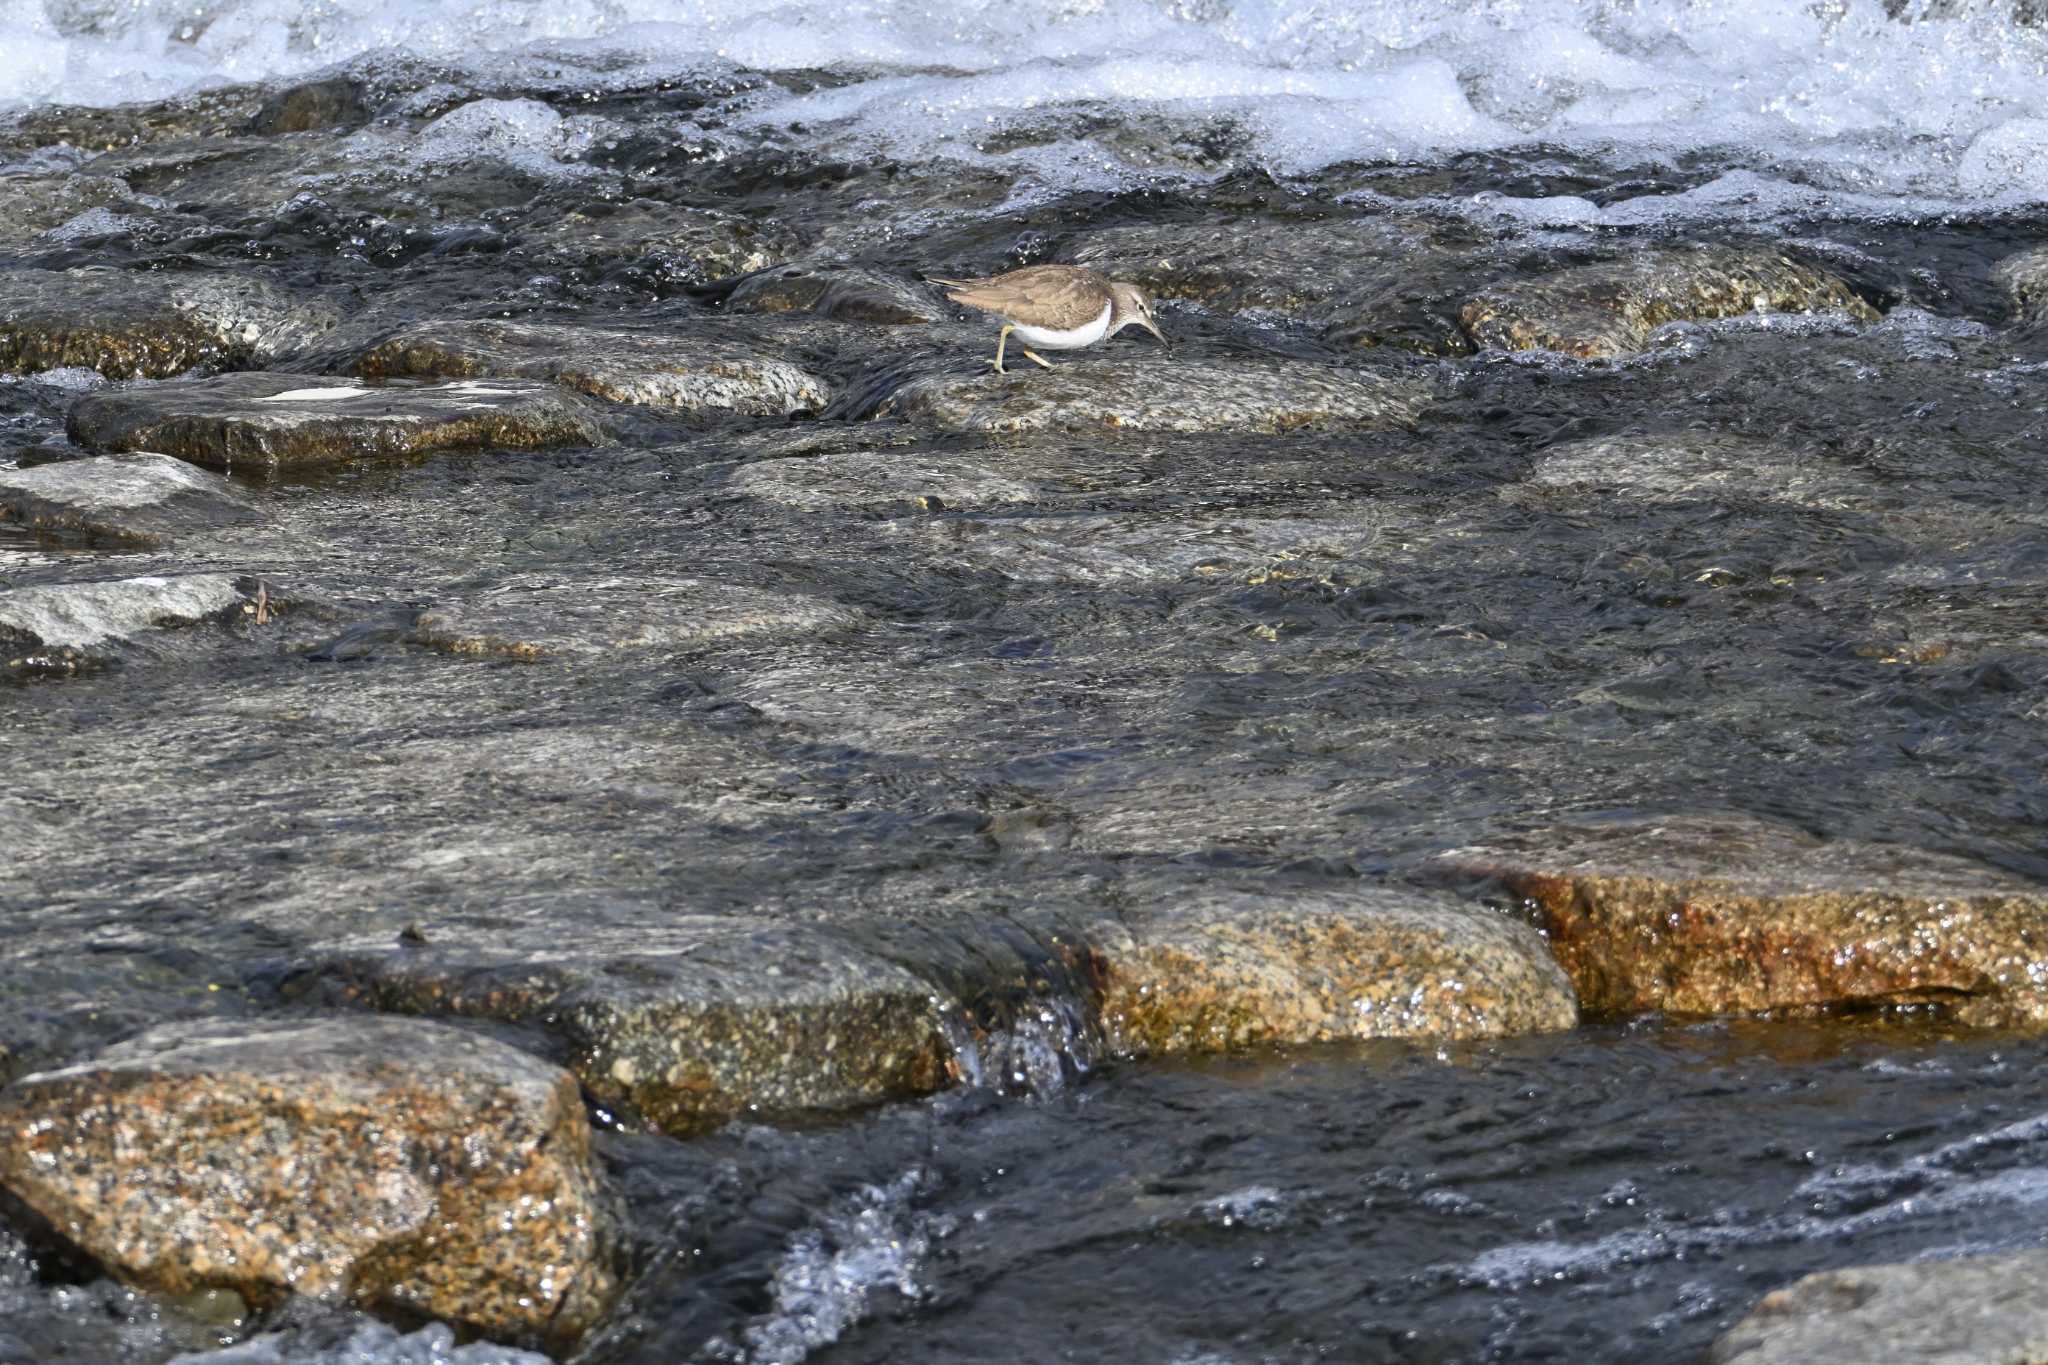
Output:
x=997 y=366
x=1035 y=356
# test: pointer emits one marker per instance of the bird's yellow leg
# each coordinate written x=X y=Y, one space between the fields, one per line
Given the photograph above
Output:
x=1002 y=337
x=1030 y=354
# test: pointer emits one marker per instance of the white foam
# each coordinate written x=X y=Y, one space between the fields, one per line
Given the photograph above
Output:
x=331 y=393
x=1938 y=106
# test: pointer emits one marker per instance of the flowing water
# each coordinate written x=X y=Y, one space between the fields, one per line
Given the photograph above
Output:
x=1305 y=659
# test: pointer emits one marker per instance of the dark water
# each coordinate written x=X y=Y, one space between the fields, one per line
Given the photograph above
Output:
x=1622 y=1194
x=1317 y=658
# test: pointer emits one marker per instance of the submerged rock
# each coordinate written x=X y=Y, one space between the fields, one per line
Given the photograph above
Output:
x=861 y=479
x=1366 y=281
x=1609 y=310
x=396 y=1164
x=131 y=325
x=1708 y=914
x=1161 y=394
x=269 y=420
x=142 y=498
x=2025 y=275
x=63 y=626
x=1691 y=466
x=681 y=246
x=1977 y=1310
x=1219 y=969
x=847 y=293
x=544 y=618
x=681 y=372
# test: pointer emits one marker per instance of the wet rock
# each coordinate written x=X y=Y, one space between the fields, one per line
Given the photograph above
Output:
x=142 y=499
x=1706 y=914
x=61 y=626
x=1690 y=467
x=846 y=293
x=681 y=246
x=1368 y=281
x=688 y=373
x=1132 y=548
x=545 y=618
x=336 y=102
x=61 y=206
x=130 y=325
x=396 y=1164
x=2025 y=275
x=1161 y=394
x=695 y=1021
x=1609 y=310
x=1217 y=969
x=268 y=420
x=859 y=479
x=1977 y=1310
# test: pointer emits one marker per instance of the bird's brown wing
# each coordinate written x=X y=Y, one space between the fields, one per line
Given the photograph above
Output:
x=1054 y=296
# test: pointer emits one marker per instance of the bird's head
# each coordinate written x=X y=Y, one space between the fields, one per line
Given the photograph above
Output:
x=1131 y=306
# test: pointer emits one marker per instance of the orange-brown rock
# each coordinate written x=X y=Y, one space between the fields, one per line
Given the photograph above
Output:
x=1710 y=914
x=394 y=1163
x=1217 y=969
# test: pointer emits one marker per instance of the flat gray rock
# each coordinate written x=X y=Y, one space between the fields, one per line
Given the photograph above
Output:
x=1978 y=1310
x=1160 y=394
x=66 y=625
x=135 y=325
x=544 y=619
x=1605 y=311
x=269 y=420
x=142 y=498
x=684 y=372
x=393 y=1163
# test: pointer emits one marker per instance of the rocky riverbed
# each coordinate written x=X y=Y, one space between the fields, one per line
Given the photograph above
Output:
x=579 y=766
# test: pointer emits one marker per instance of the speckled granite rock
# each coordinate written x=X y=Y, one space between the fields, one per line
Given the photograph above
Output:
x=267 y=420
x=680 y=371
x=1159 y=393
x=132 y=325
x=1978 y=1310
x=844 y=292
x=1217 y=969
x=1706 y=914
x=398 y=1164
x=1367 y=281
x=543 y=618
x=2025 y=274
x=63 y=626
x=142 y=499
x=1609 y=310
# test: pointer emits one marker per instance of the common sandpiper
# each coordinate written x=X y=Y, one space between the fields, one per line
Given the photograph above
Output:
x=1055 y=307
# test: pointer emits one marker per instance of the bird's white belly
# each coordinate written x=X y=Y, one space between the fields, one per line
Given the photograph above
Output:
x=1072 y=339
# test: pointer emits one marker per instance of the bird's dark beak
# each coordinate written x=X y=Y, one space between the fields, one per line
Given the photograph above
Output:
x=1153 y=328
